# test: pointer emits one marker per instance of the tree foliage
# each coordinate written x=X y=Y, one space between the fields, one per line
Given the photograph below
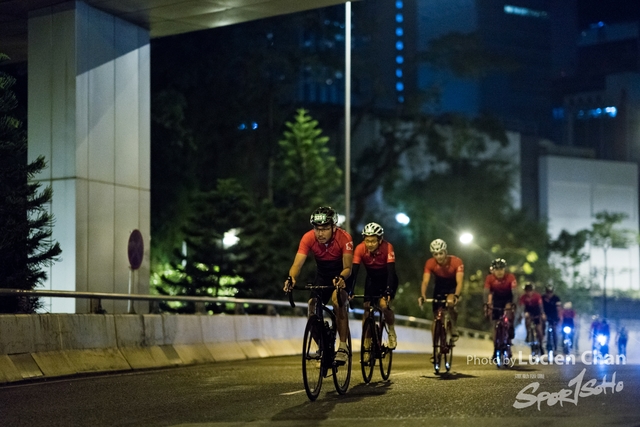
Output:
x=267 y=234
x=26 y=247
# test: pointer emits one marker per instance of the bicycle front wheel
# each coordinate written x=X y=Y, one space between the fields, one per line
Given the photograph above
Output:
x=437 y=350
x=312 y=353
x=368 y=343
x=447 y=348
x=386 y=354
x=342 y=372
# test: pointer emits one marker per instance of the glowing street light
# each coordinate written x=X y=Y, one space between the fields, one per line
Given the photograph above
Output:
x=466 y=238
x=402 y=218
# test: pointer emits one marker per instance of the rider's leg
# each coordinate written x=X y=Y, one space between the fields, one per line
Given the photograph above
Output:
x=342 y=321
x=453 y=315
x=342 y=317
x=389 y=319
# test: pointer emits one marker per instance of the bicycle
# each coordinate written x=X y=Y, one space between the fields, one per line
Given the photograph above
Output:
x=532 y=339
x=319 y=347
x=567 y=339
x=551 y=339
x=501 y=343
x=375 y=328
x=442 y=341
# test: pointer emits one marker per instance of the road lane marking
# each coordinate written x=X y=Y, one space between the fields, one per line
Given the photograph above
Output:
x=291 y=392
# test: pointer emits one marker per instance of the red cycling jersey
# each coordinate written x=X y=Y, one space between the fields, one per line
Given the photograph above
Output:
x=341 y=243
x=531 y=303
x=376 y=260
x=448 y=270
x=501 y=287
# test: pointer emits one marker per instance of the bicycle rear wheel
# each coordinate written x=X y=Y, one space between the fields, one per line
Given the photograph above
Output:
x=342 y=372
x=386 y=354
x=367 y=359
x=312 y=354
x=437 y=351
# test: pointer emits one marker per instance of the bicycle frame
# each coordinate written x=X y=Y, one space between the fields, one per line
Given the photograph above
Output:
x=501 y=338
x=374 y=325
x=442 y=342
x=318 y=347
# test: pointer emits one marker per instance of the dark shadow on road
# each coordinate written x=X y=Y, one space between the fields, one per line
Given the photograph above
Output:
x=448 y=376
x=315 y=413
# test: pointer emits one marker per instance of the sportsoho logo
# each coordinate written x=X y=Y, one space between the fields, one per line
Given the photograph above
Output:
x=586 y=358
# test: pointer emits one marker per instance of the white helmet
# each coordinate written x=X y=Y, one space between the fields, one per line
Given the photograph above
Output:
x=372 y=229
x=567 y=305
x=438 y=245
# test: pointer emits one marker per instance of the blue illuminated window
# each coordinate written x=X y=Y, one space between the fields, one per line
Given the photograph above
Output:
x=399 y=31
x=399 y=4
x=596 y=113
x=399 y=45
x=398 y=72
x=558 y=113
x=399 y=18
x=399 y=86
x=525 y=11
x=254 y=125
x=399 y=59
x=242 y=126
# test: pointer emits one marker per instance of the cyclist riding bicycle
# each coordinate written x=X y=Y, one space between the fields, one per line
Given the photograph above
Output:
x=448 y=271
x=379 y=260
x=499 y=295
x=531 y=303
x=552 y=310
x=621 y=340
x=568 y=323
x=332 y=248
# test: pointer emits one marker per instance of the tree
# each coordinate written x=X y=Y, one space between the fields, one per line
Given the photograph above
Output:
x=605 y=235
x=307 y=175
x=26 y=246
x=209 y=266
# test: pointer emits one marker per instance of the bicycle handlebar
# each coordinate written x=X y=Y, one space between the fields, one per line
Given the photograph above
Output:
x=309 y=287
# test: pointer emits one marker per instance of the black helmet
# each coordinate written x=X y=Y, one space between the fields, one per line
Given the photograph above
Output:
x=528 y=286
x=498 y=263
x=324 y=215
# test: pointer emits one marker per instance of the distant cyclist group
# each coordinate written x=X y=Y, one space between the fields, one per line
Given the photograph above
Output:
x=337 y=268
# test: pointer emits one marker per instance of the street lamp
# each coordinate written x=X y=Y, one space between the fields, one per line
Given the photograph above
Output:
x=466 y=238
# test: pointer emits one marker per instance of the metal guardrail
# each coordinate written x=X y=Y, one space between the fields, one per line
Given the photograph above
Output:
x=98 y=296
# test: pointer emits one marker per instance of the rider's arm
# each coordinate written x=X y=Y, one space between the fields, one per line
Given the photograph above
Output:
x=298 y=262
x=351 y=281
x=391 y=273
x=347 y=262
x=425 y=281
x=459 y=280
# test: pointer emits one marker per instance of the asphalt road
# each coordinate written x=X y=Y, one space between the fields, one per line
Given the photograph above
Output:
x=270 y=392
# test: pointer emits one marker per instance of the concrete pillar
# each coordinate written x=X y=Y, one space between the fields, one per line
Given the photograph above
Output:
x=89 y=77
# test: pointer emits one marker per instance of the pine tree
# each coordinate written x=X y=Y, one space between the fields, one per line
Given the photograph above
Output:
x=26 y=246
x=306 y=176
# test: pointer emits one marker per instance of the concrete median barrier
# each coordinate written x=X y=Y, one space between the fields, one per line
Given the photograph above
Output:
x=54 y=345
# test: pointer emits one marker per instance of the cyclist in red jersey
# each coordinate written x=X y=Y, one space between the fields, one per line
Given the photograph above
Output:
x=449 y=274
x=379 y=260
x=332 y=248
x=499 y=295
x=531 y=302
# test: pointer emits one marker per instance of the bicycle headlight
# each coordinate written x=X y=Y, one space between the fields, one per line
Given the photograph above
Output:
x=602 y=339
x=567 y=329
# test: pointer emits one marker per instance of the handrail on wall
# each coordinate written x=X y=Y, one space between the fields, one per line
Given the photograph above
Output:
x=98 y=296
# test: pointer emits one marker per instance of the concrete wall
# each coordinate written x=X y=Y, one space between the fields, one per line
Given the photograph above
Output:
x=51 y=345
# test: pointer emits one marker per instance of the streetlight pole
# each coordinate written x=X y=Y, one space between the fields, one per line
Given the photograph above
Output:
x=347 y=117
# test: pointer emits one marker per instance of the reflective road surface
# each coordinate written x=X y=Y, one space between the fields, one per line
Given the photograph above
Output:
x=269 y=392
